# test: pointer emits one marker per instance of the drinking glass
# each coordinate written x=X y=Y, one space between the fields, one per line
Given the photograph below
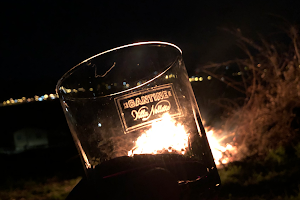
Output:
x=135 y=121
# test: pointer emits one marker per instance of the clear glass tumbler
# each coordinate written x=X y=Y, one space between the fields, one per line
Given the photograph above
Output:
x=135 y=121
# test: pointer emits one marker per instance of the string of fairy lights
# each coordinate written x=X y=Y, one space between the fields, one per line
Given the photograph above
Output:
x=49 y=97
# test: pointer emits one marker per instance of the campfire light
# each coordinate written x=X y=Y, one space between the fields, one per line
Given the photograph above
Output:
x=164 y=135
x=167 y=135
x=222 y=153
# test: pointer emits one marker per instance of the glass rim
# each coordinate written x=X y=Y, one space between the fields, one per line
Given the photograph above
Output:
x=69 y=72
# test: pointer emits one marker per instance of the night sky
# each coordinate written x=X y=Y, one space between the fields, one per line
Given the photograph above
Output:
x=41 y=40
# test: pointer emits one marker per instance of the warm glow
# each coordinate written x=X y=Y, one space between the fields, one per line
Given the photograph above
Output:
x=68 y=90
x=164 y=135
x=81 y=89
x=222 y=153
x=52 y=96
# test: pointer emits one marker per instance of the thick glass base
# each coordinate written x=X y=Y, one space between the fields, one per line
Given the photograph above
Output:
x=164 y=176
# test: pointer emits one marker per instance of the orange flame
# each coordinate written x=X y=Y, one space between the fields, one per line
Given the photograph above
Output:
x=167 y=135
x=164 y=135
x=222 y=153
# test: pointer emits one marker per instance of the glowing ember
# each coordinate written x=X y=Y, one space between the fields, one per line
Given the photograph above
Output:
x=222 y=153
x=164 y=135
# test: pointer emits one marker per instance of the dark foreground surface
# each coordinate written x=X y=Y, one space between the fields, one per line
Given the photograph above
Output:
x=159 y=177
x=40 y=173
x=53 y=173
x=63 y=162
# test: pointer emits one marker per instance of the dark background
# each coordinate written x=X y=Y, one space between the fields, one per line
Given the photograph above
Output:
x=41 y=40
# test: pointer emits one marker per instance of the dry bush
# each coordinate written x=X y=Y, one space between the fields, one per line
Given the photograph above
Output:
x=268 y=117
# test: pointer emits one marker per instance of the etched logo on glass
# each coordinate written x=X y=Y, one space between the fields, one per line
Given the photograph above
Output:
x=141 y=108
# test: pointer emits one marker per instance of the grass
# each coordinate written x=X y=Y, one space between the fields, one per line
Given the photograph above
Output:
x=274 y=177
x=50 y=189
x=240 y=181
